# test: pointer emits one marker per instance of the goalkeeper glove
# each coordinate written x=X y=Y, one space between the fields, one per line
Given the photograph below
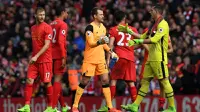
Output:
x=126 y=29
x=135 y=42
x=103 y=40
x=114 y=55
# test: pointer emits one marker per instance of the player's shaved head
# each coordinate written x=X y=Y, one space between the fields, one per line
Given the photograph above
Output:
x=119 y=16
x=159 y=8
x=39 y=9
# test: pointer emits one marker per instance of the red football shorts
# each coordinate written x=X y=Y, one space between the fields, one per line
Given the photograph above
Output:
x=57 y=67
x=44 y=70
x=124 y=69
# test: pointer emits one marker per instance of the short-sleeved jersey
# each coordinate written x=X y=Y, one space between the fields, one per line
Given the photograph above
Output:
x=121 y=43
x=59 y=28
x=40 y=33
x=158 y=50
x=94 y=54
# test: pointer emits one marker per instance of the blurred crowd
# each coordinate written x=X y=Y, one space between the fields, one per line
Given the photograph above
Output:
x=17 y=16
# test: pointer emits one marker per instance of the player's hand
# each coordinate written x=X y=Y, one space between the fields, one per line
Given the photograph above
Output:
x=33 y=60
x=114 y=55
x=63 y=63
x=103 y=40
x=135 y=42
x=126 y=29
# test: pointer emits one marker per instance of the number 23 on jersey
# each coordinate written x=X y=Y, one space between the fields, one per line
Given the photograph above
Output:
x=124 y=38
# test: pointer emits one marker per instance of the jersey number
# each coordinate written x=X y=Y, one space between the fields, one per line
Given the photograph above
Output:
x=54 y=36
x=120 y=42
x=47 y=76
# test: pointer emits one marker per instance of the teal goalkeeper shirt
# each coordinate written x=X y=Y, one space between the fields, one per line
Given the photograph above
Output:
x=158 y=48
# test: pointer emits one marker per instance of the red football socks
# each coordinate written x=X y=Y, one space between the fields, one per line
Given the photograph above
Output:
x=161 y=102
x=28 y=93
x=49 y=96
x=56 y=93
x=112 y=91
x=133 y=93
x=61 y=99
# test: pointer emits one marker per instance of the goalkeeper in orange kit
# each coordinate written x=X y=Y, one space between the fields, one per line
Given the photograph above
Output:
x=94 y=62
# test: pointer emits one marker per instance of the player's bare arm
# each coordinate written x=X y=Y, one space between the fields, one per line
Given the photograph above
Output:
x=170 y=48
x=44 y=48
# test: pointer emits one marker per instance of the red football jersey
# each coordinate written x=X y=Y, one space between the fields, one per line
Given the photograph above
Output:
x=59 y=38
x=121 y=43
x=40 y=33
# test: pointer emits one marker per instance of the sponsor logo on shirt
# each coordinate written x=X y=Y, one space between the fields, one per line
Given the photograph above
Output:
x=63 y=32
x=160 y=30
x=50 y=36
x=88 y=33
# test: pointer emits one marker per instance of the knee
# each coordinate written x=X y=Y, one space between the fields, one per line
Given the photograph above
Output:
x=145 y=81
x=164 y=82
x=57 y=78
x=105 y=81
x=167 y=88
x=130 y=83
x=47 y=84
x=113 y=82
x=84 y=81
x=29 y=81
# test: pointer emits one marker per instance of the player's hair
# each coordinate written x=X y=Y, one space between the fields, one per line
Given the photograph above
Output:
x=94 y=11
x=39 y=9
x=59 y=10
x=119 y=16
x=159 y=8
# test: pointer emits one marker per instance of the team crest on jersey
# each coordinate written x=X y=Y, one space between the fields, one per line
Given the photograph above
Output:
x=160 y=30
x=50 y=36
x=63 y=32
x=88 y=33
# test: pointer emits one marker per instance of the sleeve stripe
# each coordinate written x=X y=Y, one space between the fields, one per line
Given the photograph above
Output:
x=162 y=48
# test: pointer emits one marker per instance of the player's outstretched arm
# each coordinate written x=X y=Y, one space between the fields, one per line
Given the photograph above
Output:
x=126 y=29
x=158 y=35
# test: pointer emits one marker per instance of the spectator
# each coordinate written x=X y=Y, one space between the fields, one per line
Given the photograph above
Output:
x=78 y=40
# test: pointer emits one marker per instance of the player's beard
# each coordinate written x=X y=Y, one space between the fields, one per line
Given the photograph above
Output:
x=101 y=20
x=40 y=20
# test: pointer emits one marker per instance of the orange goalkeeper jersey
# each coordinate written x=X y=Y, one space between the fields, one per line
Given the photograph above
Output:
x=94 y=54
